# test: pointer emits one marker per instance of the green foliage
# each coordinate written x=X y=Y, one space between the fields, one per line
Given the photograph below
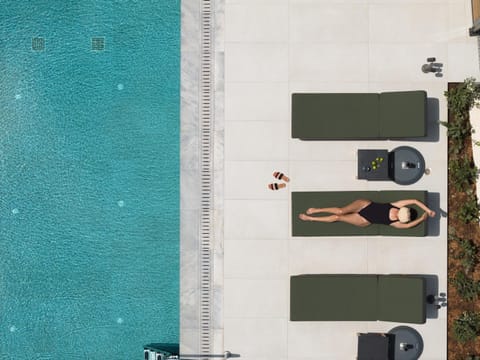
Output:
x=466 y=287
x=457 y=131
x=467 y=326
x=462 y=98
x=463 y=173
x=473 y=357
x=467 y=254
x=469 y=211
x=452 y=234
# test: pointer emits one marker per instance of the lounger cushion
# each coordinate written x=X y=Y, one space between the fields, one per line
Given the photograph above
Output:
x=403 y=114
x=401 y=299
x=347 y=297
x=333 y=298
x=337 y=116
x=301 y=201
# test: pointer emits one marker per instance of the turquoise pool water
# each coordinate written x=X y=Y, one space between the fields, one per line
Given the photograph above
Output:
x=89 y=168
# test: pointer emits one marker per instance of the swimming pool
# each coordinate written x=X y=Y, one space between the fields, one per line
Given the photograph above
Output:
x=89 y=168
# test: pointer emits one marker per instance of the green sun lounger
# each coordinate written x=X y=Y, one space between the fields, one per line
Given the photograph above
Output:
x=361 y=116
x=345 y=297
x=301 y=201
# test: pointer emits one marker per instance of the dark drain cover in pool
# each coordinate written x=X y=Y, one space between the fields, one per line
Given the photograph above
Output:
x=38 y=44
x=98 y=43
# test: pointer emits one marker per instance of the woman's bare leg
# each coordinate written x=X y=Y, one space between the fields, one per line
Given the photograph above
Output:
x=353 y=207
x=329 y=218
x=331 y=210
x=353 y=219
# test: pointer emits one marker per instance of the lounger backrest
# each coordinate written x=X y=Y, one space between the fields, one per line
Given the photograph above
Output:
x=401 y=299
x=403 y=114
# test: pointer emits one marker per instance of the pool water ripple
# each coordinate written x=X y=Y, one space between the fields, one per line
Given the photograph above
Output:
x=89 y=195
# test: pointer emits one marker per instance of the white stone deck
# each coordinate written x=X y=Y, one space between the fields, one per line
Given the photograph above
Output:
x=276 y=47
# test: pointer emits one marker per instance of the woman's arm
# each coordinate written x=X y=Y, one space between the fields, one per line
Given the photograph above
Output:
x=421 y=205
x=411 y=224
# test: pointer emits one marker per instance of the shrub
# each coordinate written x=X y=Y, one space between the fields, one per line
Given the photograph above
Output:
x=467 y=254
x=463 y=173
x=469 y=211
x=466 y=287
x=473 y=357
x=462 y=98
x=467 y=326
x=457 y=131
x=452 y=234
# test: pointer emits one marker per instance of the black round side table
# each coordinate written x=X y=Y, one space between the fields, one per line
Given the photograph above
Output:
x=407 y=165
x=408 y=343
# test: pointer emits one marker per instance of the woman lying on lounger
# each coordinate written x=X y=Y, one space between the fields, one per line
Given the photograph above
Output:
x=365 y=212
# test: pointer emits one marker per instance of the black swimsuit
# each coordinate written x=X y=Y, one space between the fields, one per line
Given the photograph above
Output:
x=377 y=213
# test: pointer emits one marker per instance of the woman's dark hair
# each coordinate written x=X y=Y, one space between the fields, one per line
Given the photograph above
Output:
x=413 y=214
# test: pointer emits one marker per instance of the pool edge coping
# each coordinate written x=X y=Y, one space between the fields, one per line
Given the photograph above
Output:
x=190 y=173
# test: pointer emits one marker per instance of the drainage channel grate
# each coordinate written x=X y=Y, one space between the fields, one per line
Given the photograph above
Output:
x=206 y=119
x=38 y=44
x=98 y=43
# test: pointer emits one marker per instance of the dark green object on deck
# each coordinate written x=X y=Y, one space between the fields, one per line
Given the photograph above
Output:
x=360 y=116
x=346 y=297
x=401 y=298
x=301 y=201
